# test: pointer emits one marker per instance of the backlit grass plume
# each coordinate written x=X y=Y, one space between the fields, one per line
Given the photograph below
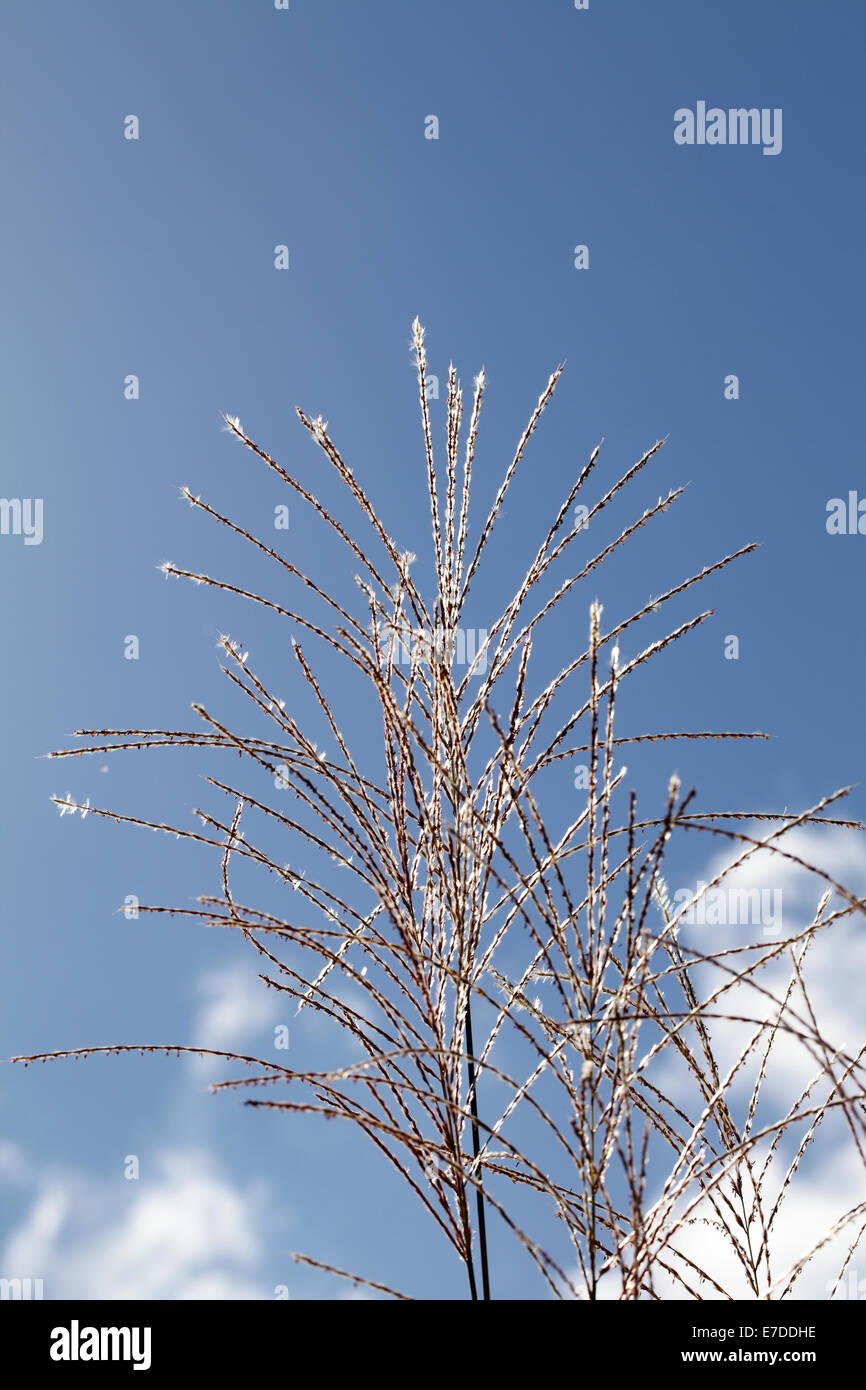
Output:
x=517 y=1022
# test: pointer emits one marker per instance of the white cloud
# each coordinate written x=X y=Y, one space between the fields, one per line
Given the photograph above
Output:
x=810 y=1208
x=14 y=1168
x=835 y=963
x=831 y=1178
x=237 y=1013
x=183 y=1231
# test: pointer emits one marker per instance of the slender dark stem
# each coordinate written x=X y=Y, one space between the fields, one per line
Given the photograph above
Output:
x=479 y=1195
x=470 y=1269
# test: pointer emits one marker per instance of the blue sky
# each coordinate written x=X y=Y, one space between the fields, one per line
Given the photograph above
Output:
x=156 y=257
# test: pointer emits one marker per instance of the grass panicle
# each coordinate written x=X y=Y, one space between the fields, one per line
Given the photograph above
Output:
x=519 y=1026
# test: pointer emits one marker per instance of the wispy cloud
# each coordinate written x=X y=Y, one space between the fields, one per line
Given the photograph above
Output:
x=236 y=1010
x=811 y=1206
x=835 y=964
x=830 y=1180
x=185 y=1231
